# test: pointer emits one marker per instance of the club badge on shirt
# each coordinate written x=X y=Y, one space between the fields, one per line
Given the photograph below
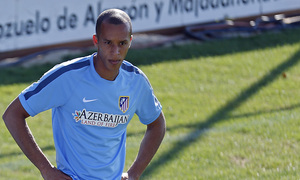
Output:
x=124 y=103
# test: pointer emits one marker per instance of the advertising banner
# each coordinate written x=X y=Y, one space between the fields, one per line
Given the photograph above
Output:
x=34 y=23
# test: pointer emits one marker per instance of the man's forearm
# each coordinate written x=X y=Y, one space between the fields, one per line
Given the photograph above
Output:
x=27 y=144
x=149 y=145
x=14 y=118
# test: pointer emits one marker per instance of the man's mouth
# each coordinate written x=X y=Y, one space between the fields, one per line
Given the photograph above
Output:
x=114 y=62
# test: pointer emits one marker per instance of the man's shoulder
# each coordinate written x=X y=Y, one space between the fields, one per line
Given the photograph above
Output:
x=130 y=68
x=133 y=72
x=65 y=68
x=74 y=64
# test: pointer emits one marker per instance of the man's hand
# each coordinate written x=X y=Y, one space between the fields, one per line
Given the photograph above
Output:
x=55 y=174
x=125 y=176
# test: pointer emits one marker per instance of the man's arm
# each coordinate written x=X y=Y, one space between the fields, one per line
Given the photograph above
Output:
x=153 y=137
x=14 y=118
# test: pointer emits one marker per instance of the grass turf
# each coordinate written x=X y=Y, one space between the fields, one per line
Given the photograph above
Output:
x=232 y=110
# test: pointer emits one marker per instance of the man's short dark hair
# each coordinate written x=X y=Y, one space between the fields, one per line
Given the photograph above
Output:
x=113 y=16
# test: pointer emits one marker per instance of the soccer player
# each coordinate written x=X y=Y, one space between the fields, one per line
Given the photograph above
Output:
x=93 y=99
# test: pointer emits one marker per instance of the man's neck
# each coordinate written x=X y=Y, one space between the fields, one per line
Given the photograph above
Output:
x=104 y=73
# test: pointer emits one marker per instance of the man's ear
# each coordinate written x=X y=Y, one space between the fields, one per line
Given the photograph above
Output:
x=131 y=37
x=95 y=40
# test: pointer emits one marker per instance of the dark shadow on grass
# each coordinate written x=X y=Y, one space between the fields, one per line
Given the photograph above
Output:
x=214 y=48
x=221 y=114
x=44 y=149
x=247 y=115
x=171 y=128
x=243 y=115
x=10 y=154
x=165 y=54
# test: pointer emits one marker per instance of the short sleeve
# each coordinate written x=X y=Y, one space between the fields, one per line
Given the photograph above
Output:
x=149 y=107
x=52 y=90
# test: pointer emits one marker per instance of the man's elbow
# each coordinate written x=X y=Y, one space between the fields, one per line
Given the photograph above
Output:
x=162 y=124
x=14 y=112
x=5 y=116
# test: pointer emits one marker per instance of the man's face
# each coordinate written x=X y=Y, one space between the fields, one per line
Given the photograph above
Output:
x=113 y=44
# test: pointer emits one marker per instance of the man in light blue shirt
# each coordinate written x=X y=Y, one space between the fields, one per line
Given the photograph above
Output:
x=92 y=99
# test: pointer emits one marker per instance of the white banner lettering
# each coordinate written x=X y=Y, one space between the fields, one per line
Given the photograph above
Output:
x=36 y=23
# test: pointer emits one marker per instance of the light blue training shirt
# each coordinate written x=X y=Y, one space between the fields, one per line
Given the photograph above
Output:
x=90 y=114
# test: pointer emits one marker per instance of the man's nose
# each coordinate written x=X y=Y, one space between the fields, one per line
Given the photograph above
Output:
x=115 y=49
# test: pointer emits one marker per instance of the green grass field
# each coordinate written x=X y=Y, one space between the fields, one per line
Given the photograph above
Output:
x=232 y=109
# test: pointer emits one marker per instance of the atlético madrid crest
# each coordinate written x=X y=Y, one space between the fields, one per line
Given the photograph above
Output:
x=124 y=103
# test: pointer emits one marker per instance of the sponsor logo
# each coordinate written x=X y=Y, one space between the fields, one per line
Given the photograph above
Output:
x=88 y=100
x=124 y=103
x=99 y=119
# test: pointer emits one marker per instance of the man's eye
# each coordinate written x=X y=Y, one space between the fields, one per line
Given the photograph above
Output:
x=123 y=43
x=106 y=42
